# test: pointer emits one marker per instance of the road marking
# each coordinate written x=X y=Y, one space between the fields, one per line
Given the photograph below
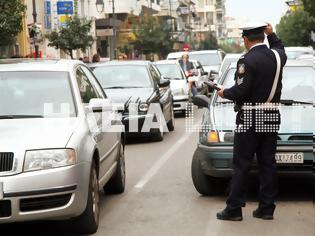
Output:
x=158 y=165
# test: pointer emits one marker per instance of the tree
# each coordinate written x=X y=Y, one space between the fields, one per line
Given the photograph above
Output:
x=153 y=36
x=76 y=35
x=11 y=16
x=209 y=43
x=295 y=28
x=309 y=6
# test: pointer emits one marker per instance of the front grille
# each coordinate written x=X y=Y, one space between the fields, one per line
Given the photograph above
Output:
x=6 y=161
x=43 y=203
x=5 y=208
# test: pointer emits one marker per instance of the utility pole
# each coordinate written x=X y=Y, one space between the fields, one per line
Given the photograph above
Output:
x=172 y=22
x=34 y=21
x=114 y=53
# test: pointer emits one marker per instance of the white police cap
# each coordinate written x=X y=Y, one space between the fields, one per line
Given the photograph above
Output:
x=252 y=25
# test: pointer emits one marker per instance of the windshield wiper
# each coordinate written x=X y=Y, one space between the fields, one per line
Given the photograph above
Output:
x=291 y=102
x=122 y=87
x=19 y=116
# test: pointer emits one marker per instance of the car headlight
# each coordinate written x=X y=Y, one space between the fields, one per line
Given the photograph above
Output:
x=143 y=107
x=47 y=159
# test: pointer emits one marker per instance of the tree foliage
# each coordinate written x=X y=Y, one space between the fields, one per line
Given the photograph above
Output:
x=309 y=6
x=76 y=35
x=295 y=28
x=210 y=42
x=153 y=36
x=11 y=16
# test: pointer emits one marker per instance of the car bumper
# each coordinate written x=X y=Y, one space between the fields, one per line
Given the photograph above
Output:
x=180 y=103
x=54 y=194
x=216 y=161
x=134 y=123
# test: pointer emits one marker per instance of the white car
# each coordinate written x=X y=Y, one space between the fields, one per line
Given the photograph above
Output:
x=211 y=60
x=175 y=55
x=55 y=153
x=296 y=53
x=170 y=69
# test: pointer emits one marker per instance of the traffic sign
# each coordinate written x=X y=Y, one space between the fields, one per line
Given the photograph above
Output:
x=65 y=8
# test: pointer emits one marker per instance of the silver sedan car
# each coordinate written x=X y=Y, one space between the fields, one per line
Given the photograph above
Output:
x=55 y=151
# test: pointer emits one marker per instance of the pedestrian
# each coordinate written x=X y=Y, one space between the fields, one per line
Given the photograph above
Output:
x=96 y=58
x=86 y=60
x=187 y=67
x=258 y=80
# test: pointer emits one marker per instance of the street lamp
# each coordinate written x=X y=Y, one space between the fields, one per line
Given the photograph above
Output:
x=100 y=9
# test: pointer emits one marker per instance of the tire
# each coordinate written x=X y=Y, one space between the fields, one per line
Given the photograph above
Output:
x=158 y=136
x=171 y=123
x=88 y=221
x=117 y=183
x=204 y=184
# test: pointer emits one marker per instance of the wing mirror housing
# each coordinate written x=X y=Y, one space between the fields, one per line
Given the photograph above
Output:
x=164 y=83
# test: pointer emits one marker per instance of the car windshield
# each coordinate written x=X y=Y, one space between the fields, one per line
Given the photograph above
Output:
x=206 y=59
x=35 y=94
x=170 y=71
x=298 y=83
x=226 y=63
x=123 y=76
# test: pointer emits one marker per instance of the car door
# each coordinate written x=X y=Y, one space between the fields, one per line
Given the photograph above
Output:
x=107 y=140
x=166 y=99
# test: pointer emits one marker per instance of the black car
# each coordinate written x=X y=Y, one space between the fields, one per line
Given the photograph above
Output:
x=137 y=85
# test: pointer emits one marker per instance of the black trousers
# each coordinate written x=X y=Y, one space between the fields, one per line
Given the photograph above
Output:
x=246 y=145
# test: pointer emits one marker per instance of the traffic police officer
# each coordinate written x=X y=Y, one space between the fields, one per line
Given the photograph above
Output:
x=255 y=76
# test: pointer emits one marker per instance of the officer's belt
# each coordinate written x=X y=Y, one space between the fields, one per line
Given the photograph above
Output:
x=264 y=106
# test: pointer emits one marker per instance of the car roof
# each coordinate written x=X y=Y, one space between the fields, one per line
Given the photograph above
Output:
x=204 y=52
x=123 y=63
x=38 y=65
x=290 y=63
x=300 y=49
x=233 y=55
x=168 y=62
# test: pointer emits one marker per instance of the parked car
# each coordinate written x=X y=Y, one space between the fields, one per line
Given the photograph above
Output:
x=137 y=82
x=212 y=160
x=170 y=69
x=211 y=60
x=52 y=164
x=296 y=53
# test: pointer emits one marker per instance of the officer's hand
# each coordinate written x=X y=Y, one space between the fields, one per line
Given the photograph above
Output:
x=221 y=93
x=268 y=29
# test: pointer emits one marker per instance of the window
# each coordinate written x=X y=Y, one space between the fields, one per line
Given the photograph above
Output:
x=87 y=91
x=96 y=85
x=155 y=75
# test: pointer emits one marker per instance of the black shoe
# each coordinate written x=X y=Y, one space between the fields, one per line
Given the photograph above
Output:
x=261 y=214
x=233 y=215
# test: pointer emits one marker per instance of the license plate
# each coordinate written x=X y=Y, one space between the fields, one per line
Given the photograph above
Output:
x=292 y=157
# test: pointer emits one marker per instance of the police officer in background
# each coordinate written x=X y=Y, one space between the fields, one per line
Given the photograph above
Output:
x=254 y=81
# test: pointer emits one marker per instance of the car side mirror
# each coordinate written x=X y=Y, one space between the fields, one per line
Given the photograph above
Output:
x=201 y=101
x=204 y=73
x=100 y=104
x=164 y=83
x=213 y=73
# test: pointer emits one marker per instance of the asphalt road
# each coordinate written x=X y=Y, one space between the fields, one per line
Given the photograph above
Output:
x=160 y=199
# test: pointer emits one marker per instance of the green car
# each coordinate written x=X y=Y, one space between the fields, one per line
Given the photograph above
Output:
x=212 y=161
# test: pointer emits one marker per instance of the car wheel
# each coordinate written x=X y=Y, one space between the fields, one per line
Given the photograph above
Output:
x=171 y=123
x=88 y=222
x=204 y=184
x=117 y=183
